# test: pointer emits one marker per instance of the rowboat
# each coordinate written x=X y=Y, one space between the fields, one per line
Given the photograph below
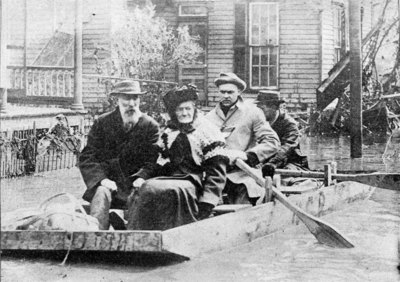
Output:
x=241 y=225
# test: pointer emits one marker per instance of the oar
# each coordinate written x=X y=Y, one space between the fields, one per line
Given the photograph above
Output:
x=377 y=179
x=325 y=233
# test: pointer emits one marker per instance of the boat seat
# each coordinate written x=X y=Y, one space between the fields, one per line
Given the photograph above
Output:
x=222 y=209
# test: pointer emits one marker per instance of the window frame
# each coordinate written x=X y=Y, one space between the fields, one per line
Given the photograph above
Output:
x=251 y=46
x=339 y=25
x=180 y=15
x=193 y=20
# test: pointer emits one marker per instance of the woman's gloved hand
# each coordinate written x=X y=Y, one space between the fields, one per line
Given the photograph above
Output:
x=252 y=159
x=268 y=169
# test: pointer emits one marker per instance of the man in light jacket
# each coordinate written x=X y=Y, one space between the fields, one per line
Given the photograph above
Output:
x=248 y=137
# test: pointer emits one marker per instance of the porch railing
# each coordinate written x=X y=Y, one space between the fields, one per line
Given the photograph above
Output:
x=46 y=81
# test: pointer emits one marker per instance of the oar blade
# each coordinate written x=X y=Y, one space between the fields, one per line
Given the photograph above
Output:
x=325 y=233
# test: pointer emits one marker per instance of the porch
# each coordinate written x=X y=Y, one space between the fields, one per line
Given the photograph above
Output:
x=41 y=60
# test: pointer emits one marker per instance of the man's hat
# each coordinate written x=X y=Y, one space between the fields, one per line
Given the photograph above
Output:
x=229 y=77
x=176 y=96
x=127 y=87
x=269 y=97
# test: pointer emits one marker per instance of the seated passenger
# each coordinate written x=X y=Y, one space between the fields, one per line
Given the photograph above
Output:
x=187 y=181
x=119 y=144
x=289 y=155
x=247 y=135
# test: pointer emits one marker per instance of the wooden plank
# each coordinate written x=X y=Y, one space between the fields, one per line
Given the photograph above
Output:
x=297 y=189
x=356 y=129
x=126 y=241
x=377 y=179
x=222 y=209
x=233 y=229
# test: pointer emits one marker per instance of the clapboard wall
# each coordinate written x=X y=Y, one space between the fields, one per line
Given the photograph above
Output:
x=306 y=52
x=96 y=35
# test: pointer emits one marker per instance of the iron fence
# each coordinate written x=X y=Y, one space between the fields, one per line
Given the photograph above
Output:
x=19 y=153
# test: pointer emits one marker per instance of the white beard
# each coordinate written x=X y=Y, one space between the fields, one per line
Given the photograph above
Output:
x=130 y=120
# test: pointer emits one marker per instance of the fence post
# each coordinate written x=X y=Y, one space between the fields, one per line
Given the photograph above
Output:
x=35 y=145
x=327 y=175
x=268 y=189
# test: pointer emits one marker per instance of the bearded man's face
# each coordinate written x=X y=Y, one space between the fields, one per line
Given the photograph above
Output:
x=129 y=107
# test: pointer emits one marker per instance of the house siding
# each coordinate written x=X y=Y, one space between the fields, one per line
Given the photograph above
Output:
x=96 y=34
x=306 y=51
x=300 y=67
x=221 y=25
x=299 y=52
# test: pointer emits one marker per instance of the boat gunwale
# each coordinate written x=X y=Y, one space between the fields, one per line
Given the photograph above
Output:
x=213 y=234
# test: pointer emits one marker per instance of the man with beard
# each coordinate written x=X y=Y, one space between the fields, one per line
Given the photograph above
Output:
x=289 y=155
x=247 y=134
x=119 y=144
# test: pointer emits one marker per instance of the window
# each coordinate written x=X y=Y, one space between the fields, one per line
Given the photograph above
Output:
x=195 y=18
x=257 y=44
x=263 y=44
x=339 y=35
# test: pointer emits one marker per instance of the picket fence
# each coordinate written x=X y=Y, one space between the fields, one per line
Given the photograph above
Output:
x=14 y=163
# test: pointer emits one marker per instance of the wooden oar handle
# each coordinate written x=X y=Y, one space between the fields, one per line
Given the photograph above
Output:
x=249 y=171
x=260 y=181
x=315 y=174
x=324 y=233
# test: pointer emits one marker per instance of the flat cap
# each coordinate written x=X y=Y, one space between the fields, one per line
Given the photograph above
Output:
x=269 y=97
x=230 y=77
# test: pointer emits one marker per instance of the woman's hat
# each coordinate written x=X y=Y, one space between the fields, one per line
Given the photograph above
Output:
x=176 y=96
x=269 y=97
x=232 y=78
x=127 y=87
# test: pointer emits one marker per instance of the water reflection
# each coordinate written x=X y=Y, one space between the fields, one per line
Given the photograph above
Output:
x=322 y=150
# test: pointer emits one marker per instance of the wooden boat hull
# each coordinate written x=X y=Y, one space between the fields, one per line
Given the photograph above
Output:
x=191 y=240
x=378 y=179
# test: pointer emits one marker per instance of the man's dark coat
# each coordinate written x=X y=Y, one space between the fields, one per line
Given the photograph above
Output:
x=289 y=135
x=113 y=153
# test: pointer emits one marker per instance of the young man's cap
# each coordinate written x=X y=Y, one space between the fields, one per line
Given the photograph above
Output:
x=229 y=77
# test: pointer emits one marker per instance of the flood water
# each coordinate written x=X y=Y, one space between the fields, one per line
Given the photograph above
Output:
x=379 y=154
x=293 y=255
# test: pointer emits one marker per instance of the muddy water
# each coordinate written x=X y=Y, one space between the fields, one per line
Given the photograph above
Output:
x=380 y=154
x=294 y=255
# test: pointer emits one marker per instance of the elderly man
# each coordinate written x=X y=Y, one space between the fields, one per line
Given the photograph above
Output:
x=248 y=136
x=119 y=144
x=289 y=155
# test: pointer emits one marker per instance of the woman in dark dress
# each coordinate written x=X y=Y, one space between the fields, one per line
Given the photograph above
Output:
x=187 y=181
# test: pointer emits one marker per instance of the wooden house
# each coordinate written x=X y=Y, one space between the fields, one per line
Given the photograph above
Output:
x=285 y=45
